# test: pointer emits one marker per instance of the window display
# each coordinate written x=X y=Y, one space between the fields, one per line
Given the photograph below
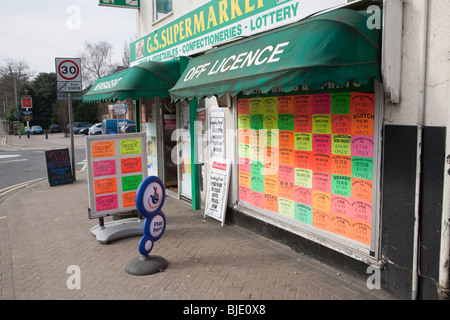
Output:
x=309 y=157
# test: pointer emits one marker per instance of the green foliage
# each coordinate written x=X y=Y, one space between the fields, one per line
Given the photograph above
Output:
x=43 y=91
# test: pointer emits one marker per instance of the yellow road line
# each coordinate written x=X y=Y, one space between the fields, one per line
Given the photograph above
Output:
x=4 y=141
x=18 y=186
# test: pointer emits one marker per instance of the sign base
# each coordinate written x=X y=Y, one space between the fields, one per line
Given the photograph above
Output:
x=146 y=265
x=118 y=229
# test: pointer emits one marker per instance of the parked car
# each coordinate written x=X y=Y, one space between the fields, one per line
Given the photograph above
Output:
x=74 y=124
x=95 y=129
x=54 y=128
x=110 y=126
x=78 y=126
x=128 y=128
x=84 y=131
x=36 y=130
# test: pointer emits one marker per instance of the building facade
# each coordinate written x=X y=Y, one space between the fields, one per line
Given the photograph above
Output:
x=354 y=172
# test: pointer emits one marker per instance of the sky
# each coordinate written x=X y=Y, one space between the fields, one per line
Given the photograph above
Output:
x=38 y=31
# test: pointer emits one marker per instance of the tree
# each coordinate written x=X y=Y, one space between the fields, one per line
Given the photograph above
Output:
x=96 y=61
x=126 y=55
x=61 y=114
x=13 y=75
x=43 y=92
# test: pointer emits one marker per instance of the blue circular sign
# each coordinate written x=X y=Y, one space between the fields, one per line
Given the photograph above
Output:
x=150 y=196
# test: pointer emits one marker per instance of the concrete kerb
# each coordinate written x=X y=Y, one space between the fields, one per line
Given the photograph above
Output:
x=52 y=141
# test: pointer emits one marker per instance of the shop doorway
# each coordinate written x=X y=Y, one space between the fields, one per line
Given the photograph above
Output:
x=169 y=125
x=159 y=122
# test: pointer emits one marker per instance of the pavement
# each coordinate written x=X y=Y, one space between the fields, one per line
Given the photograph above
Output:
x=48 y=253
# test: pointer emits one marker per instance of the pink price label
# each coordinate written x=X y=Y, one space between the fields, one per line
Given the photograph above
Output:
x=104 y=168
x=107 y=202
x=362 y=146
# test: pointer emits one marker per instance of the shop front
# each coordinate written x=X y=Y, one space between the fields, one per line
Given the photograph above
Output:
x=307 y=115
x=323 y=114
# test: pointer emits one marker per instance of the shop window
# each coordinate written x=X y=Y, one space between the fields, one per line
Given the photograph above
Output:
x=309 y=158
x=162 y=8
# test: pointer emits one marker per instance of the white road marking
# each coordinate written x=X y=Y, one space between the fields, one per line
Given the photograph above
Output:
x=84 y=163
x=13 y=160
x=6 y=156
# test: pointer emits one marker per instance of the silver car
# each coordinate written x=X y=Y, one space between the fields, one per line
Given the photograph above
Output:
x=95 y=129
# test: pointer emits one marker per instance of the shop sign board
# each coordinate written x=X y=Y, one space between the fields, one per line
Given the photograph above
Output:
x=218 y=22
x=131 y=4
x=218 y=185
x=27 y=101
x=116 y=166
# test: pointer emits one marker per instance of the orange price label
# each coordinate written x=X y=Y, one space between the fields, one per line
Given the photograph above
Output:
x=321 y=201
x=362 y=189
x=286 y=104
x=103 y=149
x=321 y=219
x=243 y=106
x=104 y=186
x=131 y=165
x=129 y=199
x=271 y=202
x=341 y=165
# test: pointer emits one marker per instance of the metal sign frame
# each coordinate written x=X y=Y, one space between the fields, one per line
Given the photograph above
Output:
x=113 y=172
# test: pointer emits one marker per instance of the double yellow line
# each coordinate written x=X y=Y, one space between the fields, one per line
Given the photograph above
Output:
x=9 y=189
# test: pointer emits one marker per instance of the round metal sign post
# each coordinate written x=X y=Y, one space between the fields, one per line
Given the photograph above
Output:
x=150 y=198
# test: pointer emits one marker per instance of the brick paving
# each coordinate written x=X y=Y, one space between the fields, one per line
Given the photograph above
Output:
x=44 y=230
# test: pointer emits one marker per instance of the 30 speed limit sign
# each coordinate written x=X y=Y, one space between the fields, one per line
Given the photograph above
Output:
x=68 y=74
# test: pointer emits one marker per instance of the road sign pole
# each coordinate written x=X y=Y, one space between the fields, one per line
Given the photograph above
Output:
x=69 y=102
x=68 y=80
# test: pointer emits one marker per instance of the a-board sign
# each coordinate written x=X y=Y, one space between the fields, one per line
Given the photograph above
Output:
x=217 y=192
x=117 y=164
x=59 y=168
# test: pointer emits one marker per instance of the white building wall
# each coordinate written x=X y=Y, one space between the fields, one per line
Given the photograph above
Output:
x=438 y=66
x=145 y=17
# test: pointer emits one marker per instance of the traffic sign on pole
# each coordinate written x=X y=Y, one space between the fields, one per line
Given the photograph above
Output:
x=68 y=81
x=68 y=74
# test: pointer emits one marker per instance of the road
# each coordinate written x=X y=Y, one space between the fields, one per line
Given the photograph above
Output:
x=22 y=161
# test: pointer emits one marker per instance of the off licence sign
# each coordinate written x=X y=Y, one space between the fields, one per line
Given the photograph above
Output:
x=68 y=74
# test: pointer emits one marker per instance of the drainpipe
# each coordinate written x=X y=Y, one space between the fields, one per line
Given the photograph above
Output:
x=137 y=115
x=444 y=256
x=420 y=123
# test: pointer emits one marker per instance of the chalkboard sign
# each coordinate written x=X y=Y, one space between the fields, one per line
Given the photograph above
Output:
x=59 y=169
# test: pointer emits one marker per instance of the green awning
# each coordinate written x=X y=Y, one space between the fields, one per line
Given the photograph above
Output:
x=336 y=46
x=146 y=80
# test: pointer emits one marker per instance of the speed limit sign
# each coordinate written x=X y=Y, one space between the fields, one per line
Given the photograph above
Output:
x=68 y=74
